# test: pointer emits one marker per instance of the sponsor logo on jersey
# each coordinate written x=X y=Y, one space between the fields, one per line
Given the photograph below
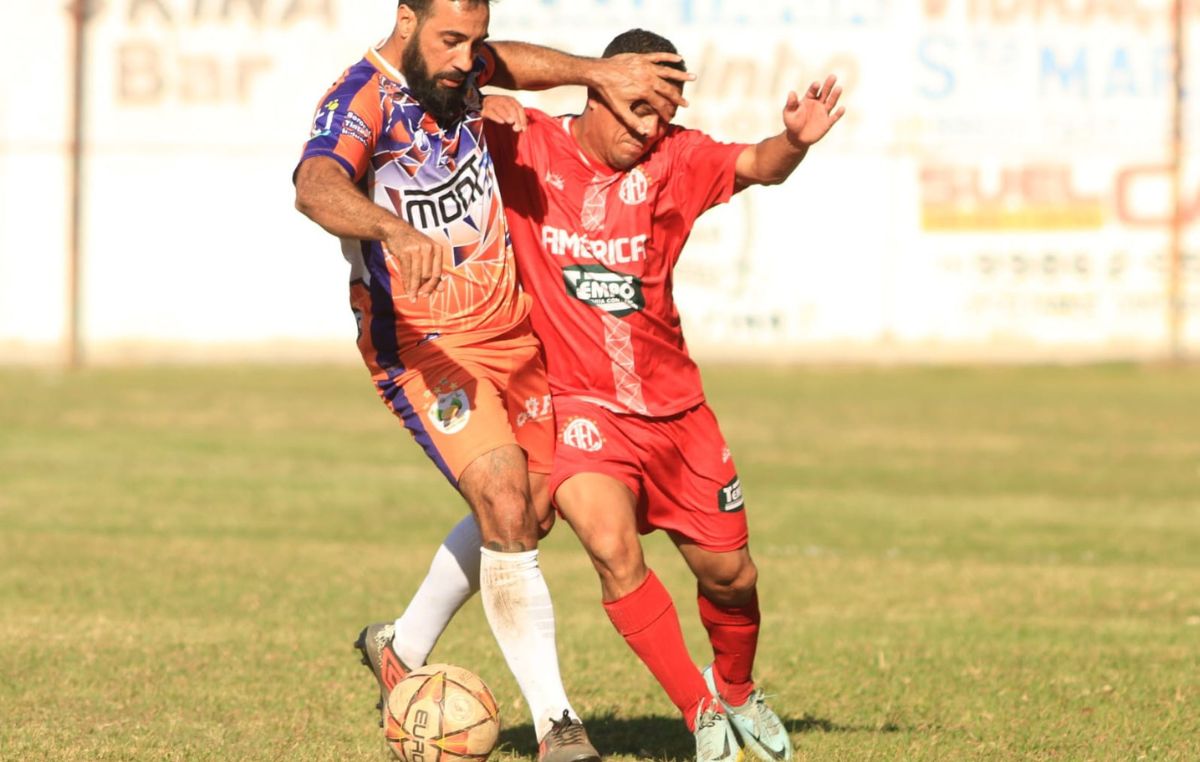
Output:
x=450 y=413
x=323 y=123
x=354 y=126
x=438 y=207
x=633 y=187
x=582 y=434
x=609 y=251
x=536 y=409
x=616 y=293
x=729 y=497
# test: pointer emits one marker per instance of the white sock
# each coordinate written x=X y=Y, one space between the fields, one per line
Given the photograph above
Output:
x=452 y=579
x=518 y=608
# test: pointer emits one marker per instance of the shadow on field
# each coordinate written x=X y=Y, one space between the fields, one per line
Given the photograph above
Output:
x=810 y=724
x=658 y=738
x=664 y=738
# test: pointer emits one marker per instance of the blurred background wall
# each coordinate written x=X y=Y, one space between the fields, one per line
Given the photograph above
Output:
x=1003 y=186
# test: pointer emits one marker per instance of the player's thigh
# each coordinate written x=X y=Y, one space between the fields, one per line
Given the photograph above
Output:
x=691 y=483
x=452 y=409
x=514 y=366
x=496 y=486
x=603 y=513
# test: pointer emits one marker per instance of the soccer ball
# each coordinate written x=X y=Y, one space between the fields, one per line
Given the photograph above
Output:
x=441 y=713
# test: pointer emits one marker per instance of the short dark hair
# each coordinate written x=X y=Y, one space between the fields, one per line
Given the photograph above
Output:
x=642 y=41
x=421 y=7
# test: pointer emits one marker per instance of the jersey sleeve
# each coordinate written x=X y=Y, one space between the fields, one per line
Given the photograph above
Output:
x=484 y=66
x=703 y=171
x=347 y=123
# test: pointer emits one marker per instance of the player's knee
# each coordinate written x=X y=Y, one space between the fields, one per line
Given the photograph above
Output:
x=545 y=522
x=730 y=584
x=506 y=519
x=618 y=559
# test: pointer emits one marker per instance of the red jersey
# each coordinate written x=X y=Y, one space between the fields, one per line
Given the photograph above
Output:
x=441 y=182
x=596 y=249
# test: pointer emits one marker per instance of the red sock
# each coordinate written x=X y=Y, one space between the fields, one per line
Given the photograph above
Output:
x=647 y=619
x=733 y=632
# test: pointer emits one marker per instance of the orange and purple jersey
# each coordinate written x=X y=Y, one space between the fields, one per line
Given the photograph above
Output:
x=442 y=182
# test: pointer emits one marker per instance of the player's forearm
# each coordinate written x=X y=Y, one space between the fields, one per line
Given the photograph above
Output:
x=524 y=66
x=326 y=195
x=770 y=161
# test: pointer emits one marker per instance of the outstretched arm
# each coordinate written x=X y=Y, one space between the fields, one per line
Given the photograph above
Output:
x=805 y=121
x=621 y=80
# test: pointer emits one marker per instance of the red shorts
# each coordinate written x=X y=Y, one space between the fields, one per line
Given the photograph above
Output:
x=461 y=402
x=679 y=468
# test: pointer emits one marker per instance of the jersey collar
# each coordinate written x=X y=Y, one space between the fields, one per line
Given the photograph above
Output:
x=386 y=69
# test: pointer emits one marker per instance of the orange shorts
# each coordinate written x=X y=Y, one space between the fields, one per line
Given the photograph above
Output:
x=461 y=402
x=678 y=467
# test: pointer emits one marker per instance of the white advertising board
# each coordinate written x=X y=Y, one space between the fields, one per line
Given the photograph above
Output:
x=999 y=188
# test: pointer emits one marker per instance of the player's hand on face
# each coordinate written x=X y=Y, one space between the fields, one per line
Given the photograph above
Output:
x=418 y=259
x=807 y=119
x=631 y=77
x=504 y=109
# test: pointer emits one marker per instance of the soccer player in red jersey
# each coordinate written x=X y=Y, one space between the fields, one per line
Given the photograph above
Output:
x=398 y=167
x=598 y=215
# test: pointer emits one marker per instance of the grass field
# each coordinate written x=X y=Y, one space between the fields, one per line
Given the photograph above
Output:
x=956 y=564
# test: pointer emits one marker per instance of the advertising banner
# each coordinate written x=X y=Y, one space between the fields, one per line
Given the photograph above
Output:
x=1001 y=186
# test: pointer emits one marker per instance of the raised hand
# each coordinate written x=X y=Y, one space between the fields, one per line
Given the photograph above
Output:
x=807 y=119
x=628 y=78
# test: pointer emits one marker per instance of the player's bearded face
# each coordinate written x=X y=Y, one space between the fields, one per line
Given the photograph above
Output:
x=446 y=104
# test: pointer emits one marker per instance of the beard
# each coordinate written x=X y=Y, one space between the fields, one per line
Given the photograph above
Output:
x=445 y=104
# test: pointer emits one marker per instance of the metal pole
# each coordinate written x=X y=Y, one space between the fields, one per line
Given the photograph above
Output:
x=79 y=13
x=1175 y=294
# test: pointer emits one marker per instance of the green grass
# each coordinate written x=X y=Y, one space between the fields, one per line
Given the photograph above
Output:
x=956 y=564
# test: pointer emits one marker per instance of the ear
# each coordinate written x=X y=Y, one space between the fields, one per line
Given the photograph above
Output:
x=406 y=22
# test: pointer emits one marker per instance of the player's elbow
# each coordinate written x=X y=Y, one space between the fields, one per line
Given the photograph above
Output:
x=771 y=177
x=303 y=204
x=306 y=192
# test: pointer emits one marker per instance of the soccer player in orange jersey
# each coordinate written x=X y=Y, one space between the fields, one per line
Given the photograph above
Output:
x=599 y=214
x=397 y=166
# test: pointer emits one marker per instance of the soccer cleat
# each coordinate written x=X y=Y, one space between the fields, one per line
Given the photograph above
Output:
x=715 y=741
x=760 y=729
x=567 y=741
x=375 y=645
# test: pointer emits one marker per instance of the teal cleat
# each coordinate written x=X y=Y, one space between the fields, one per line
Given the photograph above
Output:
x=760 y=729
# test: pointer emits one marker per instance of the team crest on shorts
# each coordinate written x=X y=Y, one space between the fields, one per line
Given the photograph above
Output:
x=582 y=434
x=450 y=412
x=729 y=497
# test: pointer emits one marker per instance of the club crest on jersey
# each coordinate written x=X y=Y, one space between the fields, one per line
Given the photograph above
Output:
x=450 y=412
x=634 y=186
x=582 y=434
x=729 y=497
